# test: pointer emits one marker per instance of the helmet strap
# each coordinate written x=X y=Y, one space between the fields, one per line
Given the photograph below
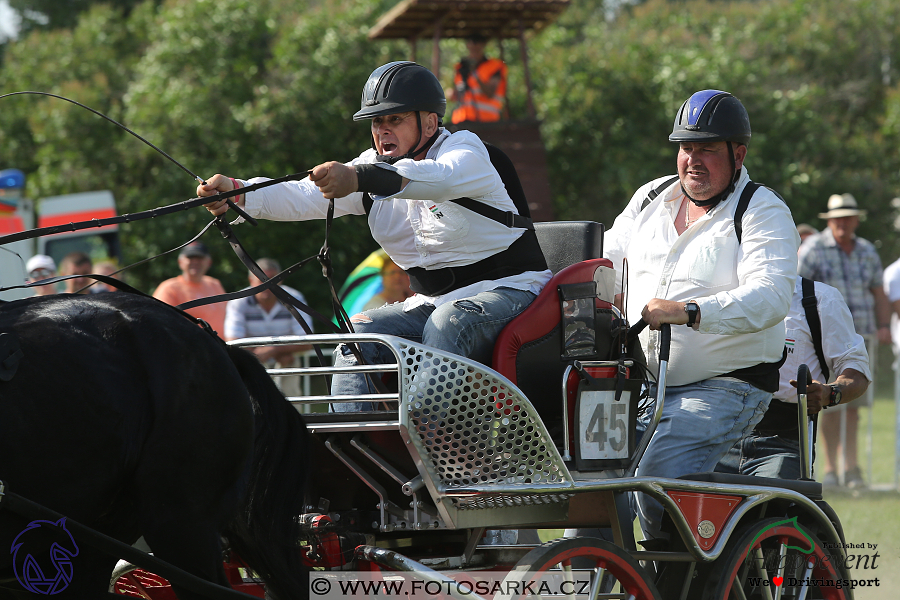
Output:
x=724 y=193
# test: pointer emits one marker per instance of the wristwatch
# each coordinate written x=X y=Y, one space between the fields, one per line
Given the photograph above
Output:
x=692 y=311
x=835 y=397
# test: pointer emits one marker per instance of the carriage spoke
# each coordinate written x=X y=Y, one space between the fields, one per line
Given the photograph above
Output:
x=782 y=554
x=804 y=590
x=595 y=585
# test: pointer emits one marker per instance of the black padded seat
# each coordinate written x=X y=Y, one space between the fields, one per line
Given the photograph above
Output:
x=565 y=243
x=810 y=489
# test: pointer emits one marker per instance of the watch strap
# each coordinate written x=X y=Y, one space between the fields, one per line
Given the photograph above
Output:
x=835 y=396
x=692 y=310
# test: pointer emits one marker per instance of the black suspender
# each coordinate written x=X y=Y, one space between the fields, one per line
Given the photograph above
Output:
x=510 y=178
x=657 y=191
x=812 y=318
x=740 y=209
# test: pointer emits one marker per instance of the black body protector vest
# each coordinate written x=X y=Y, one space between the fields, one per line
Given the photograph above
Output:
x=522 y=255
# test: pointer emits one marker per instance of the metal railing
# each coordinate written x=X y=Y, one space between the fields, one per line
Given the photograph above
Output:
x=312 y=393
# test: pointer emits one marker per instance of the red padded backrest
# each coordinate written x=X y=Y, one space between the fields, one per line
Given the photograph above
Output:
x=540 y=318
x=528 y=348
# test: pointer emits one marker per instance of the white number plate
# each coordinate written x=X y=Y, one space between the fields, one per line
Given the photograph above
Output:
x=604 y=424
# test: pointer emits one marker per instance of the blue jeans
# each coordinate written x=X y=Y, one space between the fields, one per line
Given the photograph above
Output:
x=700 y=422
x=467 y=327
x=763 y=456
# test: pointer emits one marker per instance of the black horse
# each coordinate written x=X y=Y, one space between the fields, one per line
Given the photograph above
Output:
x=126 y=416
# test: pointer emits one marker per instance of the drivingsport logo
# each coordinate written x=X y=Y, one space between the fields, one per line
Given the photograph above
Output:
x=792 y=521
x=42 y=557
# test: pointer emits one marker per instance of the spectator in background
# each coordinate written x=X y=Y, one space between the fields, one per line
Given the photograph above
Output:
x=262 y=315
x=892 y=291
x=805 y=230
x=479 y=86
x=76 y=263
x=852 y=265
x=40 y=267
x=193 y=283
x=104 y=267
x=773 y=449
x=395 y=282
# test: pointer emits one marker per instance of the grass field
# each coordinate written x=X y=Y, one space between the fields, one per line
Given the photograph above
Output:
x=872 y=516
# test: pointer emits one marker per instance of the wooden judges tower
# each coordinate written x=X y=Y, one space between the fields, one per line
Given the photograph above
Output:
x=520 y=138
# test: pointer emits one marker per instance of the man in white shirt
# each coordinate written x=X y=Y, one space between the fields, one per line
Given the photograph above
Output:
x=772 y=449
x=892 y=291
x=433 y=201
x=688 y=265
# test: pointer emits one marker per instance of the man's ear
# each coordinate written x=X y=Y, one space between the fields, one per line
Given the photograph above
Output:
x=740 y=153
x=429 y=125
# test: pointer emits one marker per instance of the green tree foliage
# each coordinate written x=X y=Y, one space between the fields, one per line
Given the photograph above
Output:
x=37 y=15
x=819 y=79
x=262 y=88
x=267 y=87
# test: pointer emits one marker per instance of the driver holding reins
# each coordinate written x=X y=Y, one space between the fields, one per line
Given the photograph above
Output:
x=473 y=270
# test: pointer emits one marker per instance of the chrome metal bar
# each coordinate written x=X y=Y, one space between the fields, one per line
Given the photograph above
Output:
x=804 y=426
x=782 y=554
x=381 y=368
x=565 y=412
x=383 y=502
x=804 y=590
x=356 y=442
x=339 y=399
x=657 y=415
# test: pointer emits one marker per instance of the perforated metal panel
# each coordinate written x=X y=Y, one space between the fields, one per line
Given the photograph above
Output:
x=472 y=428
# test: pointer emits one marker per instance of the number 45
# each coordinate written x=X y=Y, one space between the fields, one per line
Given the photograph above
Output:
x=601 y=435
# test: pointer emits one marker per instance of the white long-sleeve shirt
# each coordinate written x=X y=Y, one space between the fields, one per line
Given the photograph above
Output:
x=842 y=346
x=417 y=227
x=743 y=290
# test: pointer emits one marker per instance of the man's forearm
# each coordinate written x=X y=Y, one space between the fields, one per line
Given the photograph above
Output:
x=852 y=384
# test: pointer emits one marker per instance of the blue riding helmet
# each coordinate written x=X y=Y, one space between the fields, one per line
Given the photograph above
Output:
x=711 y=116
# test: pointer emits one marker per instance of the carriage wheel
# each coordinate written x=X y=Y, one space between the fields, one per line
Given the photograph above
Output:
x=589 y=564
x=770 y=559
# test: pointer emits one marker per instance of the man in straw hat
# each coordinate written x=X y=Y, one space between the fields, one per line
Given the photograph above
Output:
x=851 y=264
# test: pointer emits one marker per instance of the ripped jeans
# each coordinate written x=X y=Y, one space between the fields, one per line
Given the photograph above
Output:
x=467 y=327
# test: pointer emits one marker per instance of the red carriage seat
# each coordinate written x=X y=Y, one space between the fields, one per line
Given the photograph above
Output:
x=528 y=351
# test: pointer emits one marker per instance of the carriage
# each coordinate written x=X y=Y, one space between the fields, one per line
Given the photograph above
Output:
x=544 y=438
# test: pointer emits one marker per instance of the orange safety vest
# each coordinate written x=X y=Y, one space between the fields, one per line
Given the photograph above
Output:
x=473 y=104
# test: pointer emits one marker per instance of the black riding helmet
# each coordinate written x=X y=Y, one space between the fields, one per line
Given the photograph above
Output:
x=400 y=87
x=712 y=116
